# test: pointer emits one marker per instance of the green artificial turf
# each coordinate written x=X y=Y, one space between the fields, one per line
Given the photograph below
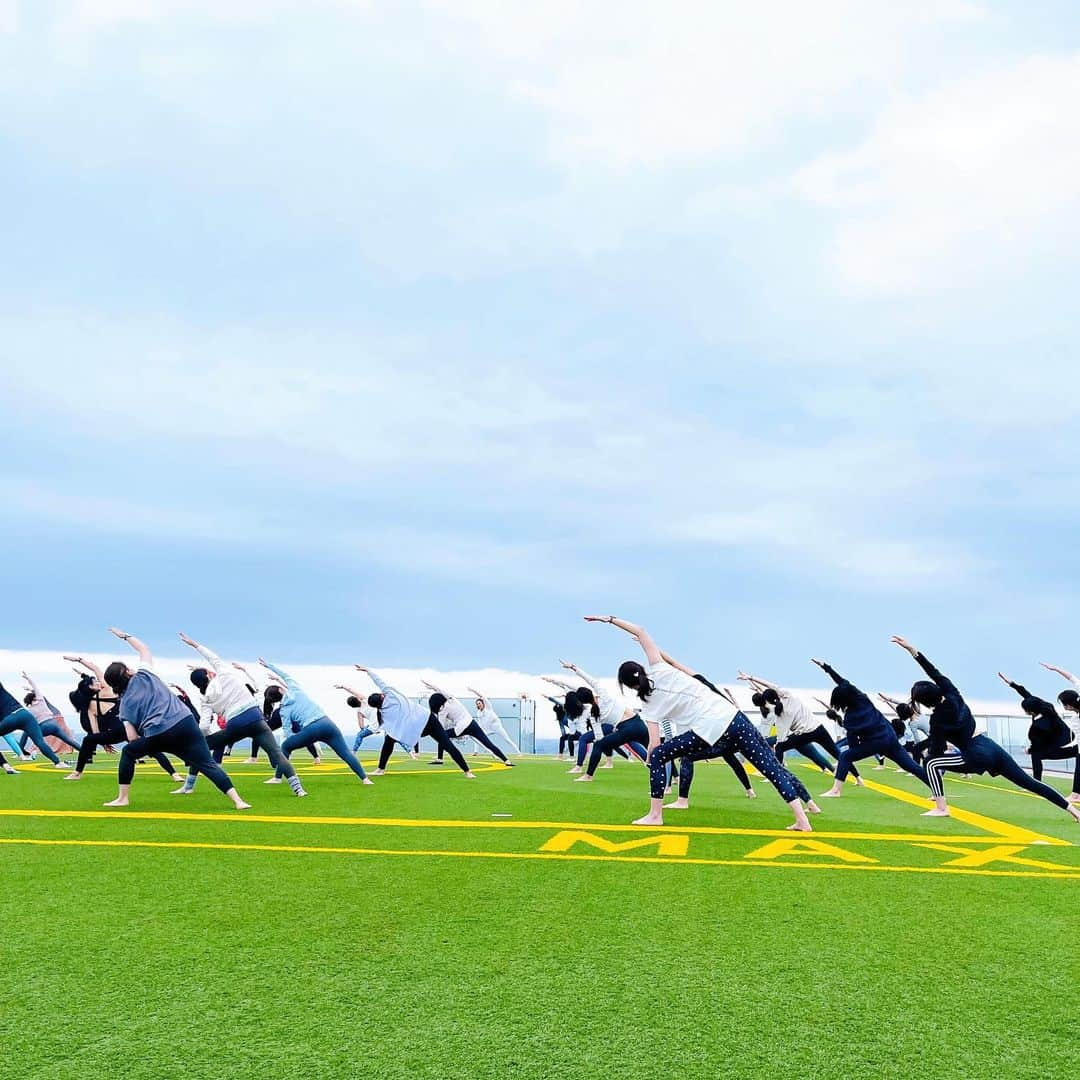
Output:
x=225 y=962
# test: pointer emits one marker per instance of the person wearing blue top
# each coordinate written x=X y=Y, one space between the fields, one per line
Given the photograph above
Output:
x=868 y=732
x=307 y=721
x=14 y=716
x=406 y=722
x=155 y=719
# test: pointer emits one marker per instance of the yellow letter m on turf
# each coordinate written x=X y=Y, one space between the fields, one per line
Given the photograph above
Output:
x=666 y=844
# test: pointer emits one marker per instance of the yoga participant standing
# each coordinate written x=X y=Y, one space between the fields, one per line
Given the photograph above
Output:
x=1049 y=737
x=702 y=724
x=453 y=716
x=406 y=722
x=587 y=720
x=226 y=694
x=488 y=719
x=99 y=715
x=796 y=726
x=951 y=721
x=869 y=734
x=48 y=717
x=156 y=719
x=1069 y=700
x=363 y=729
x=308 y=722
x=17 y=717
x=271 y=715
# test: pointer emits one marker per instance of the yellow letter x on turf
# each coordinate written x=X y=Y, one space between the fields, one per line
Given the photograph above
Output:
x=667 y=844
x=981 y=857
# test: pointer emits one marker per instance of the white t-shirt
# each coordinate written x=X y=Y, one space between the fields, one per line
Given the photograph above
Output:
x=797 y=718
x=680 y=703
x=611 y=709
x=454 y=715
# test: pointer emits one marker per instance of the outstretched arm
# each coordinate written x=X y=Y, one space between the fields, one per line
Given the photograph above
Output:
x=90 y=666
x=285 y=680
x=648 y=646
x=830 y=671
x=349 y=690
x=557 y=682
x=754 y=680
x=935 y=675
x=373 y=677
x=1068 y=675
x=1021 y=690
x=676 y=664
x=208 y=655
x=145 y=657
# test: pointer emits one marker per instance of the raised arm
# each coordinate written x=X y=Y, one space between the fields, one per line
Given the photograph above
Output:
x=437 y=689
x=350 y=691
x=648 y=646
x=208 y=655
x=33 y=687
x=1067 y=675
x=675 y=664
x=1023 y=691
x=383 y=687
x=830 y=671
x=287 y=680
x=761 y=684
x=90 y=666
x=935 y=675
x=557 y=682
x=146 y=659
x=583 y=673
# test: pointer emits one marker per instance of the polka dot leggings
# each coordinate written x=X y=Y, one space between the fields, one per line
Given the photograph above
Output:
x=741 y=737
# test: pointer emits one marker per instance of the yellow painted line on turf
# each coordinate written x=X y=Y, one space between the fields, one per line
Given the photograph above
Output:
x=434 y=823
x=544 y=856
x=1002 y=829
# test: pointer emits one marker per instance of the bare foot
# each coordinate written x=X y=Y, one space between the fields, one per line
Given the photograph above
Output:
x=860 y=782
x=117 y=802
x=649 y=819
x=797 y=827
x=367 y=780
x=242 y=805
x=812 y=807
x=182 y=791
x=379 y=772
x=608 y=765
x=274 y=780
x=177 y=777
x=830 y=794
x=751 y=793
x=945 y=813
x=70 y=775
x=575 y=769
x=470 y=775
x=585 y=779
x=678 y=804
x=1074 y=813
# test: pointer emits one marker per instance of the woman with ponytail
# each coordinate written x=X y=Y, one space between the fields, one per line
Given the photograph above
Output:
x=700 y=724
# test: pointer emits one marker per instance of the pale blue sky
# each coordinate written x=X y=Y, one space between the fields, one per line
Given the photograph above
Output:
x=413 y=331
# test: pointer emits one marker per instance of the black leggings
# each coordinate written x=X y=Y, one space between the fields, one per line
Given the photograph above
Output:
x=110 y=737
x=983 y=755
x=187 y=742
x=473 y=731
x=434 y=730
x=820 y=736
x=388 y=748
x=1061 y=753
x=274 y=724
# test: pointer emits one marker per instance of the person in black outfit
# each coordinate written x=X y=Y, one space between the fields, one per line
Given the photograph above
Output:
x=1049 y=737
x=951 y=722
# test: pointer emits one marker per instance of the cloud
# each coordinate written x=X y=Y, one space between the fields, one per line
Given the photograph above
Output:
x=973 y=181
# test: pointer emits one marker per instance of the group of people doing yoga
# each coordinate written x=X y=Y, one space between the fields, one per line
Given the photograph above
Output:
x=132 y=708
x=679 y=717
x=686 y=718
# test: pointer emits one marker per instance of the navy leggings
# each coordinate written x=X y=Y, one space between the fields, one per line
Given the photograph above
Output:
x=589 y=738
x=630 y=732
x=805 y=741
x=185 y=741
x=24 y=720
x=323 y=730
x=250 y=725
x=741 y=737
x=883 y=744
x=686 y=771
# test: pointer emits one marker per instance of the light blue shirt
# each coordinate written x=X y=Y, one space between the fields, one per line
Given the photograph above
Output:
x=296 y=707
x=402 y=719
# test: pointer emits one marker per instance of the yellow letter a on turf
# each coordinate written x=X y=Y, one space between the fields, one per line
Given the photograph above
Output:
x=666 y=844
x=797 y=846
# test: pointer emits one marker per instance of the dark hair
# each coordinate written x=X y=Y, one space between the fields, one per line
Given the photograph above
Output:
x=1070 y=699
x=905 y=711
x=82 y=695
x=773 y=698
x=117 y=677
x=353 y=702
x=757 y=699
x=926 y=693
x=834 y=716
x=30 y=698
x=898 y=726
x=843 y=697
x=634 y=677
x=271 y=696
x=1034 y=706
x=572 y=704
x=436 y=702
x=589 y=698
x=560 y=712
x=375 y=700
x=200 y=678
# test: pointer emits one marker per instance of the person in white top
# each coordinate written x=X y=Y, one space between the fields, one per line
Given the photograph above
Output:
x=224 y=693
x=583 y=711
x=455 y=718
x=697 y=724
x=797 y=728
x=488 y=719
